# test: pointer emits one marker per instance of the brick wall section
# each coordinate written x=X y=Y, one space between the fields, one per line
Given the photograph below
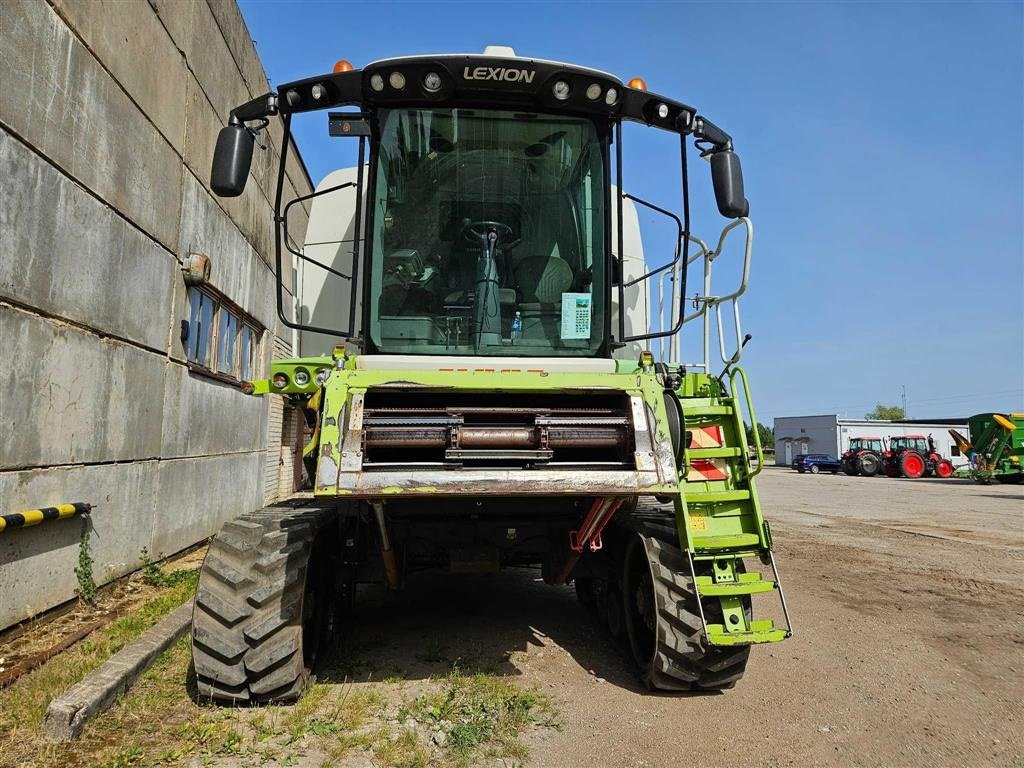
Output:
x=109 y=112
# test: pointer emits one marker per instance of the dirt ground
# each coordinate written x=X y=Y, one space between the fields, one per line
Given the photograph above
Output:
x=907 y=602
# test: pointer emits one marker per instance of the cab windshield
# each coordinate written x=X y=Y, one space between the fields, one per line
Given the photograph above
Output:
x=488 y=234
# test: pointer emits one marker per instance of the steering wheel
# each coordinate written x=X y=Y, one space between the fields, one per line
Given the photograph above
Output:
x=475 y=233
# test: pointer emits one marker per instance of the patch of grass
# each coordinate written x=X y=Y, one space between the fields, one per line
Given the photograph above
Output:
x=154 y=574
x=83 y=572
x=404 y=751
x=481 y=713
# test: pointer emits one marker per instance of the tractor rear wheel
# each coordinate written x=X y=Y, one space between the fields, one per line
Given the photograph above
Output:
x=912 y=464
x=869 y=465
x=662 y=620
x=265 y=606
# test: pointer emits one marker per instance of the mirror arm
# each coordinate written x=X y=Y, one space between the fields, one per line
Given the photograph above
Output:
x=259 y=108
x=705 y=130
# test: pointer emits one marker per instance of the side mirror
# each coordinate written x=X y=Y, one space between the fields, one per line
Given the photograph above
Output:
x=231 y=161
x=727 y=177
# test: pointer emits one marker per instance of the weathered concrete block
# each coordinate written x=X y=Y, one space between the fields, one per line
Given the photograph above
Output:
x=195 y=496
x=58 y=97
x=37 y=564
x=177 y=16
x=70 y=255
x=236 y=34
x=134 y=46
x=204 y=417
x=86 y=399
x=237 y=271
x=68 y=713
x=213 y=65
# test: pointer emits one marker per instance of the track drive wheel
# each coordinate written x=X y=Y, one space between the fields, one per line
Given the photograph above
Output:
x=912 y=464
x=869 y=465
x=663 y=625
x=266 y=605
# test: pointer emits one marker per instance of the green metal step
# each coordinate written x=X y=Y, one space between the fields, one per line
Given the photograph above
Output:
x=729 y=541
x=763 y=631
x=712 y=453
x=746 y=584
x=713 y=497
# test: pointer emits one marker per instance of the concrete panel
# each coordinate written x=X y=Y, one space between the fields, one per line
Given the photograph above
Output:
x=212 y=63
x=57 y=96
x=37 y=564
x=195 y=496
x=202 y=416
x=70 y=255
x=237 y=271
x=134 y=46
x=236 y=34
x=70 y=397
x=176 y=16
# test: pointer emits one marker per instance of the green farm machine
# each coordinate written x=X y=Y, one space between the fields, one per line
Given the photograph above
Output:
x=995 y=449
x=488 y=397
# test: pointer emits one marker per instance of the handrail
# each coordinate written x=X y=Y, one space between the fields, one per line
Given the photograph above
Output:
x=753 y=422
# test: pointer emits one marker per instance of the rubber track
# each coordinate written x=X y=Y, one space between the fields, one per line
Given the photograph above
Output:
x=247 y=620
x=681 y=660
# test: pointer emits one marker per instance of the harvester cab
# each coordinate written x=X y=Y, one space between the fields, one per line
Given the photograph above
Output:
x=490 y=398
x=864 y=456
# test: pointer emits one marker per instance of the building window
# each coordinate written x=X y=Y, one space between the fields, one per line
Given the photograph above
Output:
x=954 y=450
x=221 y=338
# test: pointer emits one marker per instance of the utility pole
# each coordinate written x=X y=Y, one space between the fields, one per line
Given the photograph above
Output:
x=903 y=398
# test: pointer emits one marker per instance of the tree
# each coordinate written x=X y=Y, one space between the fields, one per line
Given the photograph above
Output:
x=767 y=435
x=886 y=413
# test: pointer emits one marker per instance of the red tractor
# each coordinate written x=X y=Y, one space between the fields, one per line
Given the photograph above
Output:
x=914 y=456
x=864 y=456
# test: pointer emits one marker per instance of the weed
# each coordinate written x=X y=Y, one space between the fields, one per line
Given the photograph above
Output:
x=83 y=572
x=433 y=652
x=154 y=575
x=405 y=751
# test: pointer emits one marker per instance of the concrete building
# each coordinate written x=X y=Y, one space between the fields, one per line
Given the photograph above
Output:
x=119 y=381
x=830 y=434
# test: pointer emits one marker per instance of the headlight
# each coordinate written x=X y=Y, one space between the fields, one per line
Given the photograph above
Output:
x=560 y=90
x=322 y=376
x=593 y=91
x=377 y=82
x=432 y=82
x=663 y=111
x=301 y=377
x=280 y=380
x=611 y=97
x=397 y=80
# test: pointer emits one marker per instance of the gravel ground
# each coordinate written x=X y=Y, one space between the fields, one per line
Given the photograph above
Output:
x=908 y=649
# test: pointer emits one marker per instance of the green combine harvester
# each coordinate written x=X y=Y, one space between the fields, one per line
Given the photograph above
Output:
x=995 y=449
x=489 y=399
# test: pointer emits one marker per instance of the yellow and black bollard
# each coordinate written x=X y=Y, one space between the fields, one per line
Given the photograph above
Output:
x=37 y=516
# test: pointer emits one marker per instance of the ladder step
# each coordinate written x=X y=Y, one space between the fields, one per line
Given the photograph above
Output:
x=730 y=541
x=746 y=584
x=712 y=453
x=763 y=631
x=713 y=497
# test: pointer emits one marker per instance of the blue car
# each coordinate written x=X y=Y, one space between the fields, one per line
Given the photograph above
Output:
x=817 y=462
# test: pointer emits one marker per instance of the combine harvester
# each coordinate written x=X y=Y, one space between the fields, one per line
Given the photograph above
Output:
x=996 y=448
x=490 y=399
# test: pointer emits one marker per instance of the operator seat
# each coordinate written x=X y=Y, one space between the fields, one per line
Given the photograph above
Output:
x=542 y=281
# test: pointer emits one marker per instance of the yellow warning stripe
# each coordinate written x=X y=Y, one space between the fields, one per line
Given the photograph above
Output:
x=36 y=516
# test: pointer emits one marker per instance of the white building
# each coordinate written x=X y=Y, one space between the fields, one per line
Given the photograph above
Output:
x=830 y=434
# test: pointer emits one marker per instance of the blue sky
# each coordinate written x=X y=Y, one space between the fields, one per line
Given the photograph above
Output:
x=883 y=153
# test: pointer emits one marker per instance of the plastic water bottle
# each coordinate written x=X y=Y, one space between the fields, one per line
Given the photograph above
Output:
x=517 y=327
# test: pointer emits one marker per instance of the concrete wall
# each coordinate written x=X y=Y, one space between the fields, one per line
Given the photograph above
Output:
x=109 y=111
